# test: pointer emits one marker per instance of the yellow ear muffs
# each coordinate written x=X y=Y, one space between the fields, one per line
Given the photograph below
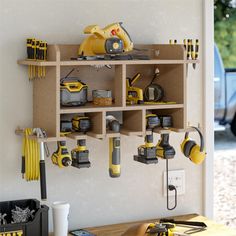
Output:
x=196 y=156
x=188 y=147
x=192 y=150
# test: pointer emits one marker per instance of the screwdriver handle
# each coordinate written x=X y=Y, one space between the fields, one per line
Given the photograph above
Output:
x=196 y=48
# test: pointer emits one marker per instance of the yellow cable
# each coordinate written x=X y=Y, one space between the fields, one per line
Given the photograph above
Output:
x=30 y=150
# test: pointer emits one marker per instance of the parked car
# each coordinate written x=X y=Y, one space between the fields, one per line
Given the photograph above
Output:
x=225 y=92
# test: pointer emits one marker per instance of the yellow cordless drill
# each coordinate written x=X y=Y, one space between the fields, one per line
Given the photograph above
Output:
x=80 y=155
x=61 y=157
x=147 y=151
x=164 y=149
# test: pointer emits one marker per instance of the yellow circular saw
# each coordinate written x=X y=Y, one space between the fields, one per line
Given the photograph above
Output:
x=113 y=39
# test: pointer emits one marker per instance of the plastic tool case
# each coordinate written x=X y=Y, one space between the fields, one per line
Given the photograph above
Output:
x=38 y=226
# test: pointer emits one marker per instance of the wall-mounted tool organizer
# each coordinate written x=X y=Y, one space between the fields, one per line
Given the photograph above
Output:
x=170 y=60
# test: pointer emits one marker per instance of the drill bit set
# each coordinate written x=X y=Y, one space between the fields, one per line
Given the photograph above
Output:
x=36 y=51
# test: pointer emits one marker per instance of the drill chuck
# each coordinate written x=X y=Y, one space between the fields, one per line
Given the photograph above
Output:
x=66 y=161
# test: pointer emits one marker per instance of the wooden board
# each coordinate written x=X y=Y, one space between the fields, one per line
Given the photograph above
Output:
x=213 y=229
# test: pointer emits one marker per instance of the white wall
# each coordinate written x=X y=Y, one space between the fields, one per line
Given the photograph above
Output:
x=95 y=198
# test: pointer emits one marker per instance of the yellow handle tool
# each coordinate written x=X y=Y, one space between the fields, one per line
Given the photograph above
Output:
x=114 y=159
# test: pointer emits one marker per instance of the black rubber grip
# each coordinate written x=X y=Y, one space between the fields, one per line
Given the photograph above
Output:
x=23 y=165
x=43 y=185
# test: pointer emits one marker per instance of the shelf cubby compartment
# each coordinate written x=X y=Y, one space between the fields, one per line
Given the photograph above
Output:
x=101 y=78
x=118 y=115
x=133 y=123
x=178 y=119
x=171 y=79
x=97 y=125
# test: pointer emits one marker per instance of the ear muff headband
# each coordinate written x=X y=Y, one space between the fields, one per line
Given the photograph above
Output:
x=200 y=135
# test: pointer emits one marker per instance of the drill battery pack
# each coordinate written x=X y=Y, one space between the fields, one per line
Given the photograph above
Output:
x=146 y=155
x=80 y=159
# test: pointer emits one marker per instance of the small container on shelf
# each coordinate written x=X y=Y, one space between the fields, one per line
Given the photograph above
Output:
x=102 y=97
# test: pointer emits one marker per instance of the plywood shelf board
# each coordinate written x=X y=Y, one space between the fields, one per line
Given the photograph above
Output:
x=162 y=130
x=77 y=136
x=95 y=135
x=93 y=108
x=131 y=132
x=36 y=63
x=28 y=62
x=110 y=134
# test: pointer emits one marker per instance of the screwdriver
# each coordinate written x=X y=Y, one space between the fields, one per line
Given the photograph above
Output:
x=189 y=49
x=29 y=42
x=45 y=48
x=34 y=55
x=37 y=57
x=196 y=52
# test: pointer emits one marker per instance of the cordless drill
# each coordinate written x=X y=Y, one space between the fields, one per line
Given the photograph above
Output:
x=61 y=156
x=80 y=155
x=164 y=149
x=147 y=151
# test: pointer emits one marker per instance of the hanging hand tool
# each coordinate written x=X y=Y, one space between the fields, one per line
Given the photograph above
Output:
x=36 y=51
x=80 y=155
x=189 y=47
x=171 y=41
x=185 y=44
x=195 y=54
x=114 y=147
x=114 y=153
x=30 y=56
x=45 y=53
x=61 y=157
x=147 y=151
x=134 y=95
x=166 y=151
x=43 y=146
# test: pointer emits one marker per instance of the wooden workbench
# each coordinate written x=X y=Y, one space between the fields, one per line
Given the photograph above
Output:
x=213 y=228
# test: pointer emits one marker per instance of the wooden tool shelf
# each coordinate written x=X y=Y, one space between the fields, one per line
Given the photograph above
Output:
x=170 y=59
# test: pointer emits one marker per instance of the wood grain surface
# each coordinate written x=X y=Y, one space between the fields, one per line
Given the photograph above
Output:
x=213 y=229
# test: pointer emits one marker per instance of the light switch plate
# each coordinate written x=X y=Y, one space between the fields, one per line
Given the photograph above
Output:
x=176 y=178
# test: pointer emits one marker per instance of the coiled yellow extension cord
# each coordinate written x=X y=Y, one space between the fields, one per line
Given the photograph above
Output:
x=31 y=152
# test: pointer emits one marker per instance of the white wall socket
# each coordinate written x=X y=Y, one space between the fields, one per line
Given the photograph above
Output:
x=176 y=178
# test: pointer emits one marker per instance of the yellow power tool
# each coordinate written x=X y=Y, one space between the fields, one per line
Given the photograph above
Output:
x=114 y=147
x=134 y=95
x=80 y=155
x=113 y=39
x=61 y=156
x=147 y=151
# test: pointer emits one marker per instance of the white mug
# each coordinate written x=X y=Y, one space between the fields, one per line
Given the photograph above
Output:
x=60 y=213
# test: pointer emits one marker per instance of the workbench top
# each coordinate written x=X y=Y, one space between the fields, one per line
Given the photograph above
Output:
x=213 y=229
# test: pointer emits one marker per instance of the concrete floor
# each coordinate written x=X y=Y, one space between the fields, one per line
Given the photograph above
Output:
x=225 y=178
